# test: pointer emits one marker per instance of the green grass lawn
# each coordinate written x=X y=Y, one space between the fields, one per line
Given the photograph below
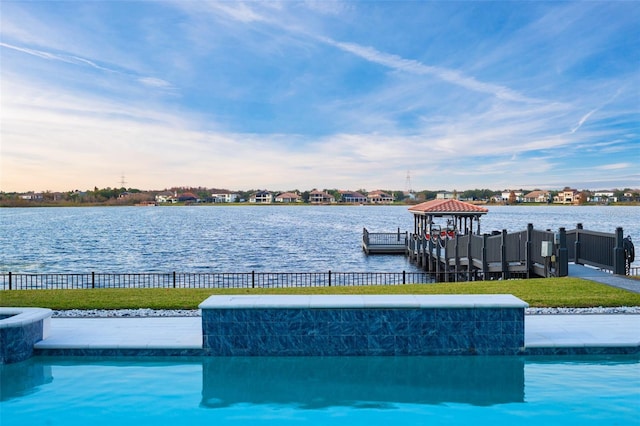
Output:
x=543 y=292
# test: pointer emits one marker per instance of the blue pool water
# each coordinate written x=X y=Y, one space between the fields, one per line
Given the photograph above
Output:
x=332 y=390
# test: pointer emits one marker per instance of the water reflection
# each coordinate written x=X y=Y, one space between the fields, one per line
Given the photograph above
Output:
x=23 y=378
x=217 y=385
x=380 y=382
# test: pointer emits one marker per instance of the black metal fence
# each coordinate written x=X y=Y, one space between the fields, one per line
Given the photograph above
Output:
x=12 y=281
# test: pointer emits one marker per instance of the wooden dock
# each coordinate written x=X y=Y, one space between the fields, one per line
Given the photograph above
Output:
x=453 y=252
x=384 y=242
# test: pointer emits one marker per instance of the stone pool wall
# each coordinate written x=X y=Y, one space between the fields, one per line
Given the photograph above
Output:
x=365 y=325
x=20 y=328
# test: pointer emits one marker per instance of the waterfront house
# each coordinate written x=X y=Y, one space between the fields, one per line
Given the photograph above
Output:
x=567 y=196
x=261 y=197
x=188 y=197
x=604 y=197
x=321 y=197
x=537 y=197
x=517 y=196
x=31 y=196
x=288 y=197
x=445 y=195
x=166 y=197
x=352 y=197
x=379 y=197
x=224 y=196
x=409 y=195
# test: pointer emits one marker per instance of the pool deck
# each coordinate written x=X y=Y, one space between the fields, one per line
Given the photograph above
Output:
x=544 y=335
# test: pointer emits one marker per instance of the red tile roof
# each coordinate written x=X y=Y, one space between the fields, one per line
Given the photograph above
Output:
x=447 y=207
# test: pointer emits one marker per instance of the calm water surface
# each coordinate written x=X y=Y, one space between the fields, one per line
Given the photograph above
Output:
x=322 y=390
x=243 y=238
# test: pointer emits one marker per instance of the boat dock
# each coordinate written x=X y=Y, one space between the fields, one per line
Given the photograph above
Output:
x=455 y=250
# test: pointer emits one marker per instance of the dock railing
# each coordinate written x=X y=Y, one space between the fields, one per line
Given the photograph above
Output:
x=501 y=254
x=384 y=242
x=599 y=249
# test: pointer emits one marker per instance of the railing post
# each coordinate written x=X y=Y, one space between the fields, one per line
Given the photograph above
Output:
x=437 y=258
x=456 y=259
x=174 y=279
x=93 y=279
x=329 y=278
x=619 y=267
x=253 y=279
x=404 y=277
x=9 y=280
x=562 y=265
x=485 y=263
x=527 y=250
x=578 y=244
x=503 y=256
x=469 y=256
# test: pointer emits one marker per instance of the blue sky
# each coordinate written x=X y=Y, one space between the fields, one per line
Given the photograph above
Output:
x=320 y=94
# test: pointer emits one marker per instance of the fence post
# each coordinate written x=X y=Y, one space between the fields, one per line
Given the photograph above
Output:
x=619 y=267
x=174 y=279
x=9 y=280
x=329 y=278
x=578 y=244
x=562 y=265
x=253 y=279
x=404 y=277
x=93 y=279
x=503 y=256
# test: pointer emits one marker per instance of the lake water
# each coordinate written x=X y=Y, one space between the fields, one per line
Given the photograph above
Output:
x=244 y=238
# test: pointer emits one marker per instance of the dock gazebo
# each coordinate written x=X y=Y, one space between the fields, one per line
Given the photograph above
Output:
x=460 y=217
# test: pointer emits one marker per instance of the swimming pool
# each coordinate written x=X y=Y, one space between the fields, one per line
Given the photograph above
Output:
x=320 y=390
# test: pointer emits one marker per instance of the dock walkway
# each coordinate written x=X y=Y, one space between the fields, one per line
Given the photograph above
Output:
x=592 y=274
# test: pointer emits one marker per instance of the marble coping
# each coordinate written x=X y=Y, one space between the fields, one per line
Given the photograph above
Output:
x=20 y=317
x=458 y=301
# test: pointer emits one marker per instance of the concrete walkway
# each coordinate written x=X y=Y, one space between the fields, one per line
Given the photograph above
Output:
x=541 y=332
x=592 y=274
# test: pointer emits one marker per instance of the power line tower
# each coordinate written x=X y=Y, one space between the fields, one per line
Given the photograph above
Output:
x=122 y=181
x=407 y=183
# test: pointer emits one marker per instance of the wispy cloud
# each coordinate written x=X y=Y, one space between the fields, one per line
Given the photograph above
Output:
x=155 y=82
x=84 y=62
x=616 y=166
x=69 y=59
x=412 y=66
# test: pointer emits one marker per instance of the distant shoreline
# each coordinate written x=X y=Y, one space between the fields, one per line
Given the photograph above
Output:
x=31 y=204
